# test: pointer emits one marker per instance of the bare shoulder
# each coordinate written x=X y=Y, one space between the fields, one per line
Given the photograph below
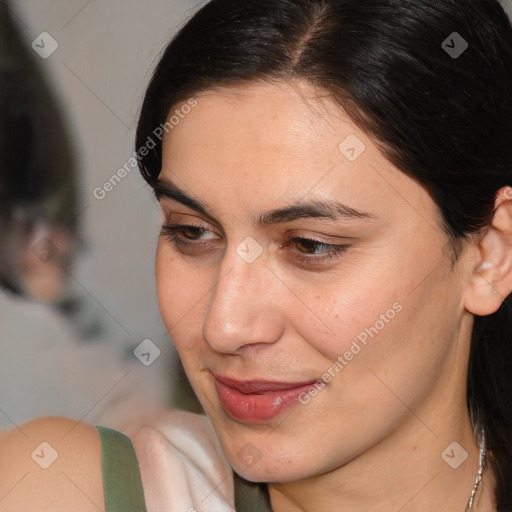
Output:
x=51 y=463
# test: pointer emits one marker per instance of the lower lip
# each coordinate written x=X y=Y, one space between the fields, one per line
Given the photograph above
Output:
x=257 y=408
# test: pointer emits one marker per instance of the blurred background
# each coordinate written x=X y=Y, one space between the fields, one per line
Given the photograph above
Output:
x=80 y=331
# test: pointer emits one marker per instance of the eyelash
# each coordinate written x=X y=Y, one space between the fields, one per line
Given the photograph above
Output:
x=174 y=234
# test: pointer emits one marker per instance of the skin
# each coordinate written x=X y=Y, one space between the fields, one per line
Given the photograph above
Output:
x=372 y=439
x=72 y=482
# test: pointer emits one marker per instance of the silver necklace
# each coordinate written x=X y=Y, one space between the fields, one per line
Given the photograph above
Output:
x=481 y=464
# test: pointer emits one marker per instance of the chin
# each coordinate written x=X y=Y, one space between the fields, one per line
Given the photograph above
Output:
x=266 y=463
x=274 y=471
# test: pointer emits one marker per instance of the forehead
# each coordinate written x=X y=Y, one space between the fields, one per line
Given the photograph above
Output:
x=267 y=144
x=284 y=117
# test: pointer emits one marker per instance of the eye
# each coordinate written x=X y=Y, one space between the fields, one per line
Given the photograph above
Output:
x=333 y=251
x=184 y=235
x=187 y=238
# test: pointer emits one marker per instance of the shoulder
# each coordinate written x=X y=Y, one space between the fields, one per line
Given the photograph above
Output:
x=51 y=463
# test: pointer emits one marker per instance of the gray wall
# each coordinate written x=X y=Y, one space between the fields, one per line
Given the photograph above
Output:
x=507 y=4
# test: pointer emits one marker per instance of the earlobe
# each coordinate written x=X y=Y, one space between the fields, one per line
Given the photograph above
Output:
x=491 y=280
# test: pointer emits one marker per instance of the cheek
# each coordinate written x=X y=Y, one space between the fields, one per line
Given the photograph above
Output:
x=181 y=294
x=359 y=304
x=335 y=322
x=398 y=347
x=386 y=323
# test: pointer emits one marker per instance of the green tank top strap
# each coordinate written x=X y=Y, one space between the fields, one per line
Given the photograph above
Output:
x=122 y=482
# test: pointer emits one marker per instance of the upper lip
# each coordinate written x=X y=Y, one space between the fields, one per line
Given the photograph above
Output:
x=257 y=386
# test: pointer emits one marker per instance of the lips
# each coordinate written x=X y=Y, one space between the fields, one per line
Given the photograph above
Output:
x=258 y=401
x=261 y=386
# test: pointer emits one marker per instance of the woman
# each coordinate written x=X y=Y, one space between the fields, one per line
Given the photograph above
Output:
x=335 y=266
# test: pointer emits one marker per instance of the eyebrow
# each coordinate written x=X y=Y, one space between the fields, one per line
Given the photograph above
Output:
x=324 y=209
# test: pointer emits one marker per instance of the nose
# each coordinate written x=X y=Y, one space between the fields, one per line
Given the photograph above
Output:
x=243 y=306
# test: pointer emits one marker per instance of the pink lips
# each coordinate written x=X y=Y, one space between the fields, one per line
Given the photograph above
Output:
x=257 y=401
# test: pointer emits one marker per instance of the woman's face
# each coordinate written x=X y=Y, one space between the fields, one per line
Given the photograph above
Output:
x=380 y=324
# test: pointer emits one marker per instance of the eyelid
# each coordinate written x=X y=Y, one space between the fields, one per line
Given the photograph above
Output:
x=327 y=239
x=170 y=218
x=331 y=239
x=166 y=204
x=290 y=235
x=335 y=251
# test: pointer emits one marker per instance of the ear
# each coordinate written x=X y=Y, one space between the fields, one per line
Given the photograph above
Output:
x=491 y=279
